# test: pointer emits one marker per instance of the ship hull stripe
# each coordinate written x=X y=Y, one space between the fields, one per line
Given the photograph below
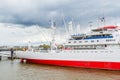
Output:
x=84 y=64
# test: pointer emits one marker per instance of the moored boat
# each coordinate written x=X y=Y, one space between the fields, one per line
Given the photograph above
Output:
x=100 y=48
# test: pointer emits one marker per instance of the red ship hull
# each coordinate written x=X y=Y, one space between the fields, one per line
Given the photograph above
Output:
x=84 y=64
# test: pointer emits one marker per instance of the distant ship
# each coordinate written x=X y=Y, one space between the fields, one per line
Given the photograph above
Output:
x=100 y=48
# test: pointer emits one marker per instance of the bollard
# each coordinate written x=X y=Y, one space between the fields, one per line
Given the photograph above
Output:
x=0 y=58
x=12 y=52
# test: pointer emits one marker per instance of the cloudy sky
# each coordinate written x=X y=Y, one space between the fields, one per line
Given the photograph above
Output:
x=28 y=20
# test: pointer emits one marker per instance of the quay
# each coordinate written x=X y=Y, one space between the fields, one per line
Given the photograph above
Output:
x=5 y=55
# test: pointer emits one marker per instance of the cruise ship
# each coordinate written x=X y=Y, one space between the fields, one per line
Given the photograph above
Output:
x=99 y=48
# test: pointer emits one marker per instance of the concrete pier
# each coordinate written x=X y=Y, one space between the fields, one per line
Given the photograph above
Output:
x=4 y=55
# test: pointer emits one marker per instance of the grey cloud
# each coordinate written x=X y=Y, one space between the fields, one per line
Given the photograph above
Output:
x=30 y=12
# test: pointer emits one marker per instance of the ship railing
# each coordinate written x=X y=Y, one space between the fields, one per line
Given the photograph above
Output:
x=48 y=51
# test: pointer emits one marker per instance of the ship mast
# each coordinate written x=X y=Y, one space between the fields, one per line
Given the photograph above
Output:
x=65 y=24
x=29 y=46
x=70 y=25
x=53 y=28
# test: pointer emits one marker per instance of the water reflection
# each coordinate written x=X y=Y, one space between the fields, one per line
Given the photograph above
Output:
x=13 y=70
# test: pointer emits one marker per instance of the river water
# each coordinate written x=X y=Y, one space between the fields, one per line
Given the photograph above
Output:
x=14 y=70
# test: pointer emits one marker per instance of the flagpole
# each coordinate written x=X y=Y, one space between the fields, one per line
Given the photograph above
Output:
x=104 y=21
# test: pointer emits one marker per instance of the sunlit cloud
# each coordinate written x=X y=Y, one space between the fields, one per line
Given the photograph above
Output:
x=12 y=34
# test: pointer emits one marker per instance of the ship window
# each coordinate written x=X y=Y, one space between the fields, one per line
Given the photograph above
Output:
x=80 y=41
x=85 y=46
x=113 y=40
x=69 y=42
x=101 y=32
x=106 y=51
x=86 y=41
x=97 y=40
x=74 y=41
x=92 y=41
x=111 y=51
x=105 y=45
x=91 y=46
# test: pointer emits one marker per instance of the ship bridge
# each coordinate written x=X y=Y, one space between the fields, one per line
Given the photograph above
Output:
x=99 y=33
